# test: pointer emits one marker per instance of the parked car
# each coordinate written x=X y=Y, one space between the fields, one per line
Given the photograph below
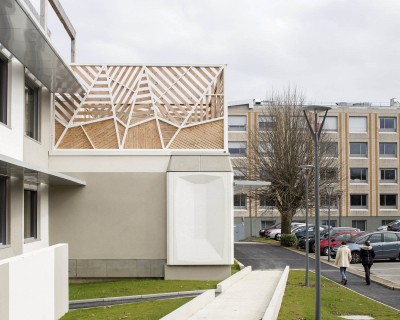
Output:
x=394 y=226
x=335 y=240
x=311 y=231
x=385 y=227
x=262 y=231
x=386 y=245
x=336 y=230
x=276 y=233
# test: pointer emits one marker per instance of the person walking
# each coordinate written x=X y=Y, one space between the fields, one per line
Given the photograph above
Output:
x=367 y=255
x=343 y=258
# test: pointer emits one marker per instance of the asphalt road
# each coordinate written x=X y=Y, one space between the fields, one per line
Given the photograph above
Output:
x=263 y=256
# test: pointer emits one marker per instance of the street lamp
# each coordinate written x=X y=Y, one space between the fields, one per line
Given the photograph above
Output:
x=316 y=130
x=305 y=169
x=329 y=190
x=339 y=195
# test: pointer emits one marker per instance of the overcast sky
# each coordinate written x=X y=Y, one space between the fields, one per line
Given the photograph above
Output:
x=334 y=50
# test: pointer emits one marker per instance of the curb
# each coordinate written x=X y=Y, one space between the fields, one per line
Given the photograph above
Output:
x=227 y=283
x=275 y=303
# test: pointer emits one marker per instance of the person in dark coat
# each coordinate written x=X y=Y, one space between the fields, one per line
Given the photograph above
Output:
x=367 y=255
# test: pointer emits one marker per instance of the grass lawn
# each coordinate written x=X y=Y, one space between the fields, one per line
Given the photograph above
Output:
x=299 y=301
x=143 y=310
x=79 y=291
x=235 y=268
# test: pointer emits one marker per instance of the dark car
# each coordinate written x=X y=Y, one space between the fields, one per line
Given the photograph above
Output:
x=386 y=245
x=300 y=233
x=394 y=226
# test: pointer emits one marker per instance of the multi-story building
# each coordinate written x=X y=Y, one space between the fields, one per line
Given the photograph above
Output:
x=366 y=137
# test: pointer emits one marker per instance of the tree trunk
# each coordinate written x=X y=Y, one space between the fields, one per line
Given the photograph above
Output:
x=286 y=220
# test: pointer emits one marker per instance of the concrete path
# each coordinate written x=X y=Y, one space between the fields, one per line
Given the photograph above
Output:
x=246 y=300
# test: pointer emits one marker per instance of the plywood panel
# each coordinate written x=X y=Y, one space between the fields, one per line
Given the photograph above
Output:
x=59 y=129
x=102 y=134
x=143 y=136
x=167 y=131
x=205 y=136
x=75 y=138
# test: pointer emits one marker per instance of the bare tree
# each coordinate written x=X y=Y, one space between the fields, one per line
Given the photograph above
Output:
x=282 y=143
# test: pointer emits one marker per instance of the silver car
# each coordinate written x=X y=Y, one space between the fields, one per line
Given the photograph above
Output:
x=386 y=245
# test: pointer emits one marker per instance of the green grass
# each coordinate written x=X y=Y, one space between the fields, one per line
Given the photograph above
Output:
x=235 y=268
x=143 y=310
x=79 y=291
x=299 y=301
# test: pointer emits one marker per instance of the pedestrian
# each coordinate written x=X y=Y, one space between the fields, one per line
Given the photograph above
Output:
x=367 y=255
x=343 y=258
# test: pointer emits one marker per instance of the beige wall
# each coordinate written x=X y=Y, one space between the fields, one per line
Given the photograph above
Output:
x=116 y=216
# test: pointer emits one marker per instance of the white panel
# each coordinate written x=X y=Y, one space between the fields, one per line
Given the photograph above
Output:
x=357 y=124
x=200 y=224
x=237 y=120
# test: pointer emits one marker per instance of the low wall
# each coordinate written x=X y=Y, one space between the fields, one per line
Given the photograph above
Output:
x=35 y=285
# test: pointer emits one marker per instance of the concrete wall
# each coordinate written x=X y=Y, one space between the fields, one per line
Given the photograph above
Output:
x=39 y=279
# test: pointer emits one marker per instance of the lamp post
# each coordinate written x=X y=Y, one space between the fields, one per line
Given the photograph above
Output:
x=339 y=195
x=305 y=169
x=329 y=190
x=316 y=130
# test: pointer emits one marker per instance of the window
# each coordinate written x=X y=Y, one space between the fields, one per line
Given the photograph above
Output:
x=325 y=223
x=330 y=149
x=388 y=149
x=267 y=202
x=324 y=199
x=358 y=201
x=386 y=222
x=390 y=237
x=31 y=111
x=267 y=223
x=388 y=175
x=266 y=123
x=239 y=173
x=3 y=210
x=331 y=124
x=237 y=123
x=388 y=201
x=357 y=124
x=3 y=90
x=30 y=214
x=359 y=149
x=375 y=238
x=237 y=149
x=240 y=201
x=387 y=124
x=328 y=174
x=264 y=148
x=359 y=175
x=360 y=224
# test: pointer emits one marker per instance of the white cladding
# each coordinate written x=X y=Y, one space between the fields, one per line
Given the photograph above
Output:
x=199 y=223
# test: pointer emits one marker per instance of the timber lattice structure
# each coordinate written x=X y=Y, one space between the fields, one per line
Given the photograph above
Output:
x=142 y=107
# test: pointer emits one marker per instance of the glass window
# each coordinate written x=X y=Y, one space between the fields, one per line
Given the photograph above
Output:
x=240 y=201
x=360 y=224
x=3 y=90
x=390 y=237
x=358 y=124
x=375 y=238
x=389 y=175
x=388 y=149
x=328 y=174
x=358 y=201
x=237 y=123
x=237 y=148
x=358 y=175
x=30 y=214
x=330 y=149
x=386 y=222
x=267 y=202
x=267 y=223
x=331 y=124
x=239 y=173
x=387 y=124
x=265 y=123
x=359 y=149
x=325 y=223
x=3 y=210
x=388 y=201
x=31 y=111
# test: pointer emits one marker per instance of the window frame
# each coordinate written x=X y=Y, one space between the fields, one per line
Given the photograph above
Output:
x=358 y=117
x=237 y=128
x=4 y=90
x=240 y=152
x=385 y=129
x=360 y=180
x=385 y=155
x=35 y=114
x=362 y=206
x=265 y=123
x=4 y=210
x=385 y=206
x=358 y=155
x=241 y=200
x=356 y=224
x=328 y=122
x=382 y=170
x=34 y=213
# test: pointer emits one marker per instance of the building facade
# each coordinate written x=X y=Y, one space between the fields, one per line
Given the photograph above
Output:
x=366 y=137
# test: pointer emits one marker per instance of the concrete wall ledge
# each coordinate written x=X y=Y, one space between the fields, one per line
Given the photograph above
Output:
x=193 y=306
x=227 y=283
x=275 y=304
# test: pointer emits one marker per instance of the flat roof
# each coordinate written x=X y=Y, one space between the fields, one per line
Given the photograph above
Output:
x=35 y=174
x=21 y=34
